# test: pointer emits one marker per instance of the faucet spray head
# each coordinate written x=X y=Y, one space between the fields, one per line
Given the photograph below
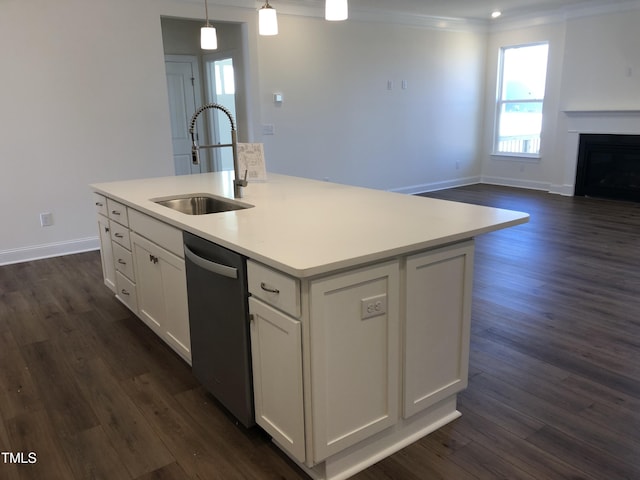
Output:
x=195 y=154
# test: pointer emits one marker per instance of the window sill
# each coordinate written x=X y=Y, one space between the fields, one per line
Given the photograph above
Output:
x=516 y=157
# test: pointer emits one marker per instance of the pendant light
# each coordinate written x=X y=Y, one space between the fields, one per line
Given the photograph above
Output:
x=267 y=20
x=208 y=37
x=336 y=10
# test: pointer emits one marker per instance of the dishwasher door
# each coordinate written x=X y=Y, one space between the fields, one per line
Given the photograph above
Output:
x=219 y=324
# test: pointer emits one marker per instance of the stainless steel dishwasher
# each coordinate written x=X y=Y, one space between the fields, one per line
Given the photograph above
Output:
x=219 y=324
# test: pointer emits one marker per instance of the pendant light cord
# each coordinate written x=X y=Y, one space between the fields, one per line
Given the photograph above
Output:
x=206 y=14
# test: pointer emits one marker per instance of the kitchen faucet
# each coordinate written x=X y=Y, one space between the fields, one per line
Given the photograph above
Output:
x=238 y=183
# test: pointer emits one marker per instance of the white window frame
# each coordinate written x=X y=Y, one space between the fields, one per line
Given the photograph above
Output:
x=500 y=103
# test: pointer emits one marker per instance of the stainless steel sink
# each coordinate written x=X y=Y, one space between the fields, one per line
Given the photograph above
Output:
x=200 y=204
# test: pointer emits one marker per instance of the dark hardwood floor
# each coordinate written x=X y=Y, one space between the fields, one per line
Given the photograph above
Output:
x=554 y=390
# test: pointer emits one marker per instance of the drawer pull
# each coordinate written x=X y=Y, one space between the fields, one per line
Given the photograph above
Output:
x=99 y=204
x=106 y=229
x=264 y=287
x=153 y=258
x=119 y=235
x=115 y=212
x=121 y=261
x=124 y=292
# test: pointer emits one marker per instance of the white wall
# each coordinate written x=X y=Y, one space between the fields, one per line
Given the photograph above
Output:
x=602 y=62
x=520 y=171
x=83 y=99
x=338 y=119
x=594 y=64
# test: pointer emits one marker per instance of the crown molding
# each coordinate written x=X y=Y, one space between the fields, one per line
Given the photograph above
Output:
x=594 y=8
x=315 y=9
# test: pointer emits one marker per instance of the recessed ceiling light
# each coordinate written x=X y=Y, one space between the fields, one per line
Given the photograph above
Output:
x=496 y=14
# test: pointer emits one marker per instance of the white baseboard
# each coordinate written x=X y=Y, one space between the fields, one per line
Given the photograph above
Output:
x=566 y=190
x=37 y=252
x=514 y=182
x=432 y=187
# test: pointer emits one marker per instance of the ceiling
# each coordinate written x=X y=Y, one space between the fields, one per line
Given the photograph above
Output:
x=481 y=9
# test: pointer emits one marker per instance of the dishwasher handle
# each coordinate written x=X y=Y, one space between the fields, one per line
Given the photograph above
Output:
x=210 y=266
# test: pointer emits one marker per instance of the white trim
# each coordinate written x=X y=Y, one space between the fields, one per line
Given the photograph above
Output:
x=432 y=187
x=516 y=182
x=565 y=190
x=596 y=7
x=315 y=8
x=48 y=250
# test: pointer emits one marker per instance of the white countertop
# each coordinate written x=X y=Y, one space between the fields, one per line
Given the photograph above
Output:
x=306 y=227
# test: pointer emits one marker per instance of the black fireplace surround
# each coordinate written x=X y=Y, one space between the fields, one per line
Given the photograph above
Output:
x=609 y=166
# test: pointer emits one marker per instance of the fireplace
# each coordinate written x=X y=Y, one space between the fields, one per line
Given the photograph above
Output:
x=608 y=166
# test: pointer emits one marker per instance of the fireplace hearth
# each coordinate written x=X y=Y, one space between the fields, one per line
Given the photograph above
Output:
x=608 y=166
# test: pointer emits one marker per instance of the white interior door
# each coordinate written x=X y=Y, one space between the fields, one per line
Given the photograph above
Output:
x=183 y=85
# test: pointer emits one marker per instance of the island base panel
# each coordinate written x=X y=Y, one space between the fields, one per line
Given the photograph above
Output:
x=370 y=451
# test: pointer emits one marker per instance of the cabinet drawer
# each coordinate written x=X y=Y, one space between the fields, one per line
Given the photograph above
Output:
x=117 y=212
x=123 y=261
x=160 y=233
x=120 y=234
x=101 y=204
x=126 y=292
x=274 y=288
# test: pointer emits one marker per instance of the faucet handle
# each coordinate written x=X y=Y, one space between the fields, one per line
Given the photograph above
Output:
x=243 y=182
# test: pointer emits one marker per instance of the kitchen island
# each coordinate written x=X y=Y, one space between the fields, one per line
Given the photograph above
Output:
x=360 y=302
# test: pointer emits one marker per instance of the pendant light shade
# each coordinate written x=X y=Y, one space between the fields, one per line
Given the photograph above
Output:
x=208 y=36
x=336 y=10
x=267 y=20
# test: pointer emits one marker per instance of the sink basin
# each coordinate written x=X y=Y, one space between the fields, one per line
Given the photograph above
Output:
x=201 y=204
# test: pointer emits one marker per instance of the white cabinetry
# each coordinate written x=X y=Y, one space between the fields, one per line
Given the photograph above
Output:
x=162 y=293
x=276 y=350
x=142 y=262
x=348 y=367
x=106 y=250
x=125 y=280
x=437 y=325
x=354 y=356
x=352 y=388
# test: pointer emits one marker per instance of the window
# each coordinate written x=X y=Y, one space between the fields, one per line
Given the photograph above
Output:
x=521 y=85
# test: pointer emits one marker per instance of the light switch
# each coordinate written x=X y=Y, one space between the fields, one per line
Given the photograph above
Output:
x=277 y=98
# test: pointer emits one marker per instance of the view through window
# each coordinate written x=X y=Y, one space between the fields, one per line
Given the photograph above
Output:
x=521 y=87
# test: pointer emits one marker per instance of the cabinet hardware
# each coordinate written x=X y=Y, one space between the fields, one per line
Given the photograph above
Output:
x=264 y=287
x=121 y=262
x=115 y=212
x=153 y=258
x=119 y=235
x=124 y=292
x=106 y=229
x=99 y=204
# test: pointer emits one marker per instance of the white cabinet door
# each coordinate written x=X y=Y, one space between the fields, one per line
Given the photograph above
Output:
x=276 y=350
x=106 y=253
x=438 y=317
x=162 y=293
x=354 y=322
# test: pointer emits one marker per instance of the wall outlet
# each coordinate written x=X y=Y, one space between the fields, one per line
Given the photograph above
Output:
x=46 y=219
x=373 y=306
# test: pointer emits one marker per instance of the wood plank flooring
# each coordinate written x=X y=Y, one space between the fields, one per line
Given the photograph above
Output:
x=554 y=389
